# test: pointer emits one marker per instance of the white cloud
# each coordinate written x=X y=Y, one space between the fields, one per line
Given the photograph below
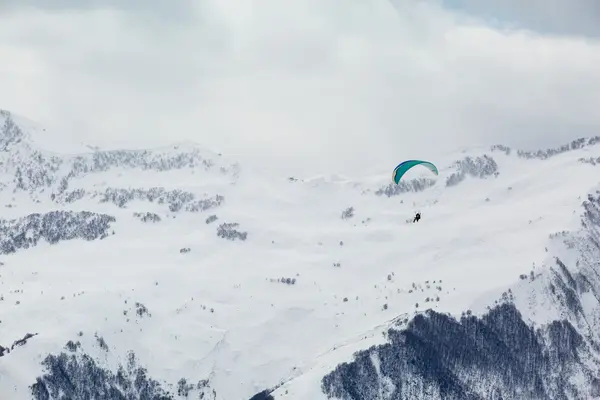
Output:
x=314 y=84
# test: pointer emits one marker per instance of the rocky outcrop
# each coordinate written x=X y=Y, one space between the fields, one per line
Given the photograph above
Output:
x=545 y=154
x=53 y=227
x=478 y=167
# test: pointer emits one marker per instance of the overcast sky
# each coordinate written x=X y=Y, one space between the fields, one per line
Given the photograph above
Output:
x=336 y=85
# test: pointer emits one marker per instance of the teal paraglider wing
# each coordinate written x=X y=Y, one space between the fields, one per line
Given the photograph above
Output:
x=401 y=169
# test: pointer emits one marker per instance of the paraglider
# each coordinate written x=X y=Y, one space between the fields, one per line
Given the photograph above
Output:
x=401 y=169
x=417 y=217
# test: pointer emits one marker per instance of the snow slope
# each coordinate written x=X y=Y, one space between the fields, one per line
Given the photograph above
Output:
x=112 y=258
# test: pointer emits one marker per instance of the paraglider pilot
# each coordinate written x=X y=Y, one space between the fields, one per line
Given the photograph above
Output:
x=417 y=217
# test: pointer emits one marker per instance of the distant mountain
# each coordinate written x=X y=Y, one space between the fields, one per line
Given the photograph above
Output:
x=33 y=169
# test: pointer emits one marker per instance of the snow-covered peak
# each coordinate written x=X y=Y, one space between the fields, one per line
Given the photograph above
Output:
x=11 y=134
x=30 y=167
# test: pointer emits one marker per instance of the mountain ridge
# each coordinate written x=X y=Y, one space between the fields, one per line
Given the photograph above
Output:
x=9 y=135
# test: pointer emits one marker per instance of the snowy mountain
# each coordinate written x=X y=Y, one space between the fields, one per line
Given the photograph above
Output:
x=175 y=273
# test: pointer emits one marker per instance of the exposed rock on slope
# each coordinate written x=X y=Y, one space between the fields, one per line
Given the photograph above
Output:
x=54 y=226
x=479 y=167
x=17 y=343
x=413 y=185
x=176 y=200
x=495 y=357
x=78 y=376
x=545 y=154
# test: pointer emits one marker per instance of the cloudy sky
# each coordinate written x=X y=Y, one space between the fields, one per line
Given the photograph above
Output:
x=341 y=85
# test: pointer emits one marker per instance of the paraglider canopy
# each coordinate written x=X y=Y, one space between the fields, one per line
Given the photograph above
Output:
x=401 y=169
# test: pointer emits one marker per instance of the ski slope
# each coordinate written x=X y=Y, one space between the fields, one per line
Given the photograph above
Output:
x=218 y=312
